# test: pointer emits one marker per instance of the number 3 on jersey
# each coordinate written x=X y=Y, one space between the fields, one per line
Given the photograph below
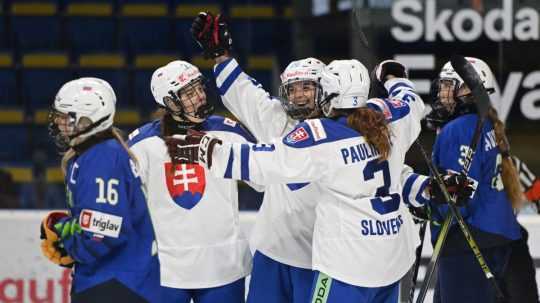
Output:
x=384 y=202
x=107 y=192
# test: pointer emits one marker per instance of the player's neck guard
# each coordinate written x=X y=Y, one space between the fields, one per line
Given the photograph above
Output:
x=93 y=140
x=170 y=126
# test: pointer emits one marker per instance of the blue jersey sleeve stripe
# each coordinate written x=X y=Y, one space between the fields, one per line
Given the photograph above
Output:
x=228 y=170
x=229 y=81
x=419 y=197
x=398 y=85
x=244 y=162
x=408 y=187
x=374 y=107
x=297 y=186
x=220 y=67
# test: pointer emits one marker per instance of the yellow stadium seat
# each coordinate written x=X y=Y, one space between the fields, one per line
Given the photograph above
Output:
x=45 y=60
x=89 y=9
x=33 y=9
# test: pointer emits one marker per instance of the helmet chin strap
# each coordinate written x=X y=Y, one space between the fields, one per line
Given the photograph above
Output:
x=93 y=140
x=88 y=129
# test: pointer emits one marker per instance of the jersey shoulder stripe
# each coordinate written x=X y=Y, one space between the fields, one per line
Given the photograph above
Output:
x=318 y=131
x=219 y=123
x=146 y=131
x=393 y=109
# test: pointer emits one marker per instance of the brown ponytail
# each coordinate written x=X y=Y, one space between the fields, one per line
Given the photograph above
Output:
x=115 y=132
x=373 y=126
x=510 y=177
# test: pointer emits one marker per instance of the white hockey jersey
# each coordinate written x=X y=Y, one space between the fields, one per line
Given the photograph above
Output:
x=195 y=215
x=283 y=229
x=363 y=234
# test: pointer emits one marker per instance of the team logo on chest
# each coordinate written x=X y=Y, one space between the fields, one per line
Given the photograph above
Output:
x=186 y=183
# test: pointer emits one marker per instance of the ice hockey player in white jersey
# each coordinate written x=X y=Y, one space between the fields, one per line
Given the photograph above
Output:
x=363 y=243
x=203 y=254
x=282 y=236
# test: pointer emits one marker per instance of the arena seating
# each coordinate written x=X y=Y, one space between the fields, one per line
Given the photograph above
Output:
x=44 y=43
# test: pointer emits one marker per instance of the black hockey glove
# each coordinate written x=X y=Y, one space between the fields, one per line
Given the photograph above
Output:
x=195 y=147
x=379 y=76
x=390 y=67
x=212 y=34
x=458 y=185
x=420 y=214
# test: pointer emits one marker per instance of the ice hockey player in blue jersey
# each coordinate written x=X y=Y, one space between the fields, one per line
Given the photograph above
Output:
x=204 y=255
x=107 y=236
x=363 y=240
x=489 y=211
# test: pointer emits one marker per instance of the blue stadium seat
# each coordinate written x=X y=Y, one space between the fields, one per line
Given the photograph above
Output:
x=3 y=33
x=91 y=26
x=109 y=67
x=24 y=32
x=43 y=141
x=261 y=68
x=146 y=27
x=145 y=65
x=264 y=78
x=256 y=25
x=42 y=75
x=18 y=136
x=8 y=78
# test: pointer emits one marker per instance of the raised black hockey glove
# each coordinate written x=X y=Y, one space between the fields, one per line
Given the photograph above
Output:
x=390 y=67
x=458 y=186
x=212 y=34
x=379 y=75
x=195 y=147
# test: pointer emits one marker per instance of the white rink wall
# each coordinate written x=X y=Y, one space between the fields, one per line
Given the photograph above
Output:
x=27 y=277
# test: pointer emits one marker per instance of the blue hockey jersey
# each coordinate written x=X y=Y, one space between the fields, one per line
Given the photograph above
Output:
x=489 y=210
x=115 y=240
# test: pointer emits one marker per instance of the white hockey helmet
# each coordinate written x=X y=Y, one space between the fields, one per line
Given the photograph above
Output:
x=87 y=98
x=345 y=85
x=481 y=67
x=308 y=69
x=301 y=70
x=167 y=82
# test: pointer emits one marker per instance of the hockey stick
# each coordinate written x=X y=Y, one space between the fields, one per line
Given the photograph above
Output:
x=466 y=71
x=471 y=78
x=416 y=266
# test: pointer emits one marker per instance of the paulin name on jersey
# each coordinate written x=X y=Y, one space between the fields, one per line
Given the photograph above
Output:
x=186 y=183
